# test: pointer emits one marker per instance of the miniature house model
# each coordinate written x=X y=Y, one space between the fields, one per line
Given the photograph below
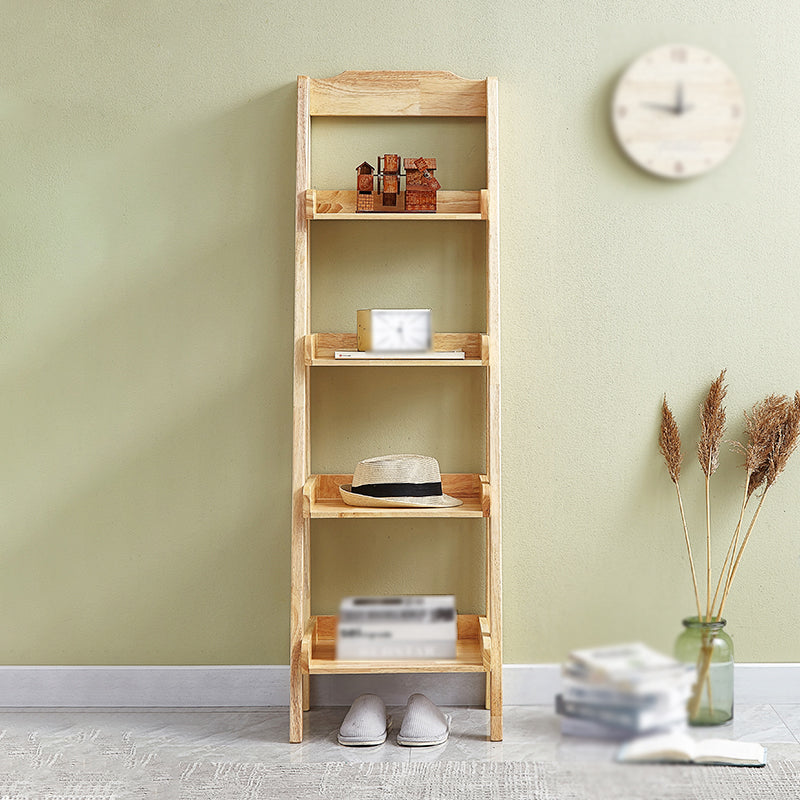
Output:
x=389 y=178
x=420 y=185
x=365 y=183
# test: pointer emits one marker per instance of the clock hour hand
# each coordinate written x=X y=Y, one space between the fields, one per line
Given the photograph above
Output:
x=680 y=105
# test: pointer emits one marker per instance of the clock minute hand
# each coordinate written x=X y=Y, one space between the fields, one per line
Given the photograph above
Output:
x=661 y=107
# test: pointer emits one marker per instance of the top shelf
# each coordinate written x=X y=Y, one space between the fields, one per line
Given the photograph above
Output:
x=397 y=93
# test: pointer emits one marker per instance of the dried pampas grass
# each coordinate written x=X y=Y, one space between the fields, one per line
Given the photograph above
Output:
x=773 y=432
x=712 y=429
x=772 y=427
x=712 y=426
x=669 y=442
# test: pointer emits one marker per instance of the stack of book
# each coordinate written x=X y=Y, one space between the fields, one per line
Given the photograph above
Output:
x=396 y=628
x=623 y=691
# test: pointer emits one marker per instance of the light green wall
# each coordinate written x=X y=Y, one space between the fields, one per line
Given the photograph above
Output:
x=146 y=216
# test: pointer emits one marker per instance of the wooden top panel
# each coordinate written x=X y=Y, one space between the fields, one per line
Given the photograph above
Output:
x=405 y=94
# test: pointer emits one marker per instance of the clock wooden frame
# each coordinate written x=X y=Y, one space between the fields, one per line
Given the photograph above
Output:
x=677 y=111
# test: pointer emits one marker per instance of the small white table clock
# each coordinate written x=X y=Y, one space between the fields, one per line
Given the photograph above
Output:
x=394 y=329
x=677 y=111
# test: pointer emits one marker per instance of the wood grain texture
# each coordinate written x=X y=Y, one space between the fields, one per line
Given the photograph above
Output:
x=316 y=496
x=410 y=94
x=322 y=346
x=323 y=501
x=300 y=603
x=494 y=588
x=470 y=649
x=341 y=204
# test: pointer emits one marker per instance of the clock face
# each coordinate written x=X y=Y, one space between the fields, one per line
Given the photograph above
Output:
x=677 y=111
x=401 y=329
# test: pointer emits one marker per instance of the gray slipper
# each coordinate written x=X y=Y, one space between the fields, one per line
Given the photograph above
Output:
x=366 y=722
x=423 y=724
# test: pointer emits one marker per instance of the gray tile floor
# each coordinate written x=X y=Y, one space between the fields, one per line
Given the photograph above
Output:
x=531 y=733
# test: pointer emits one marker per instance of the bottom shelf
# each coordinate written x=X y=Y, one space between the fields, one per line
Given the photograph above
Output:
x=473 y=651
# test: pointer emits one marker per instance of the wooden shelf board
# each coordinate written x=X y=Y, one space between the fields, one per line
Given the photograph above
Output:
x=321 y=499
x=320 y=349
x=397 y=362
x=439 y=217
x=471 y=653
x=450 y=205
x=397 y=93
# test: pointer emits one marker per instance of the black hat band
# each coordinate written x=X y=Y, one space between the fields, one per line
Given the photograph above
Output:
x=399 y=489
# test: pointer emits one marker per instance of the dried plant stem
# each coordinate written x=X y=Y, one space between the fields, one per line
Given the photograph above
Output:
x=708 y=686
x=689 y=550
x=708 y=550
x=703 y=675
x=729 y=556
x=739 y=556
x=712 y=423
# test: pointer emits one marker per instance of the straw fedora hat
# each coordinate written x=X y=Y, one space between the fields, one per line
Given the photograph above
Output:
x=398 y=481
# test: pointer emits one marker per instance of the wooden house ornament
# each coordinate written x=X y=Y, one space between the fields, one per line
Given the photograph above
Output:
x=389 y=177
x=421 y=186
x=365 y=184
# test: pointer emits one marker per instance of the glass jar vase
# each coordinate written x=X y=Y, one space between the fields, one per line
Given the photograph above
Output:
x=708 y=647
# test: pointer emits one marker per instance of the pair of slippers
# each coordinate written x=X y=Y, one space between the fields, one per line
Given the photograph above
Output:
x=366 y=723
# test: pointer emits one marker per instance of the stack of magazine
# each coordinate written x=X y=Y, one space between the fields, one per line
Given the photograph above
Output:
x=396 y=628
x=623 y=691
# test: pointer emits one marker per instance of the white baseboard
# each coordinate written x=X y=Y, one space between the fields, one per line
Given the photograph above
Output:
x=143 y=687
x=256 y=686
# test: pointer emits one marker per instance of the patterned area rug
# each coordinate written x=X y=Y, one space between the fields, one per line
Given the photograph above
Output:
x=439 y=780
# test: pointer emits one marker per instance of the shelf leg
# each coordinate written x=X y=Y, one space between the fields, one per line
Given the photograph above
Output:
x=488 y=703
x=298 y=670
x=296 y=708
x=496 y=728
x=306 y=692
x=496 y=705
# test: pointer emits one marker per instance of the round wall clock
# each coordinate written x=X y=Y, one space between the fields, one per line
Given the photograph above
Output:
x=677 y=111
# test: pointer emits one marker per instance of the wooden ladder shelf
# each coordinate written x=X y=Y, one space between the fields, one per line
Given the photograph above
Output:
x=479 y=643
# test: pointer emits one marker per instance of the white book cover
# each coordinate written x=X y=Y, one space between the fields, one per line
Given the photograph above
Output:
x=623 y=658
x=635 y=720
x=401 y=608
x=640 y=695
x=627 y=666
x=397 y=627
x=591 y=729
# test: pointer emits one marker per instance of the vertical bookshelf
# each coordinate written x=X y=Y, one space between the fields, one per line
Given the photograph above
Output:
x=314 y=496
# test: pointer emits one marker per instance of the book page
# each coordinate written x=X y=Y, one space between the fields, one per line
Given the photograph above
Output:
x=724 y=750
x=663 y=747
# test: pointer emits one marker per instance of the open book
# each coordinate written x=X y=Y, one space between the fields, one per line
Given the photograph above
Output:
x=680 y=747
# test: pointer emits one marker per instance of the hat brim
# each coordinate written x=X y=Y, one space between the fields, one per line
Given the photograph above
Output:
x=435 y=501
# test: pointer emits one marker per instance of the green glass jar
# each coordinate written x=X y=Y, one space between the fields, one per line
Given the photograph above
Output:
x=707 y=646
